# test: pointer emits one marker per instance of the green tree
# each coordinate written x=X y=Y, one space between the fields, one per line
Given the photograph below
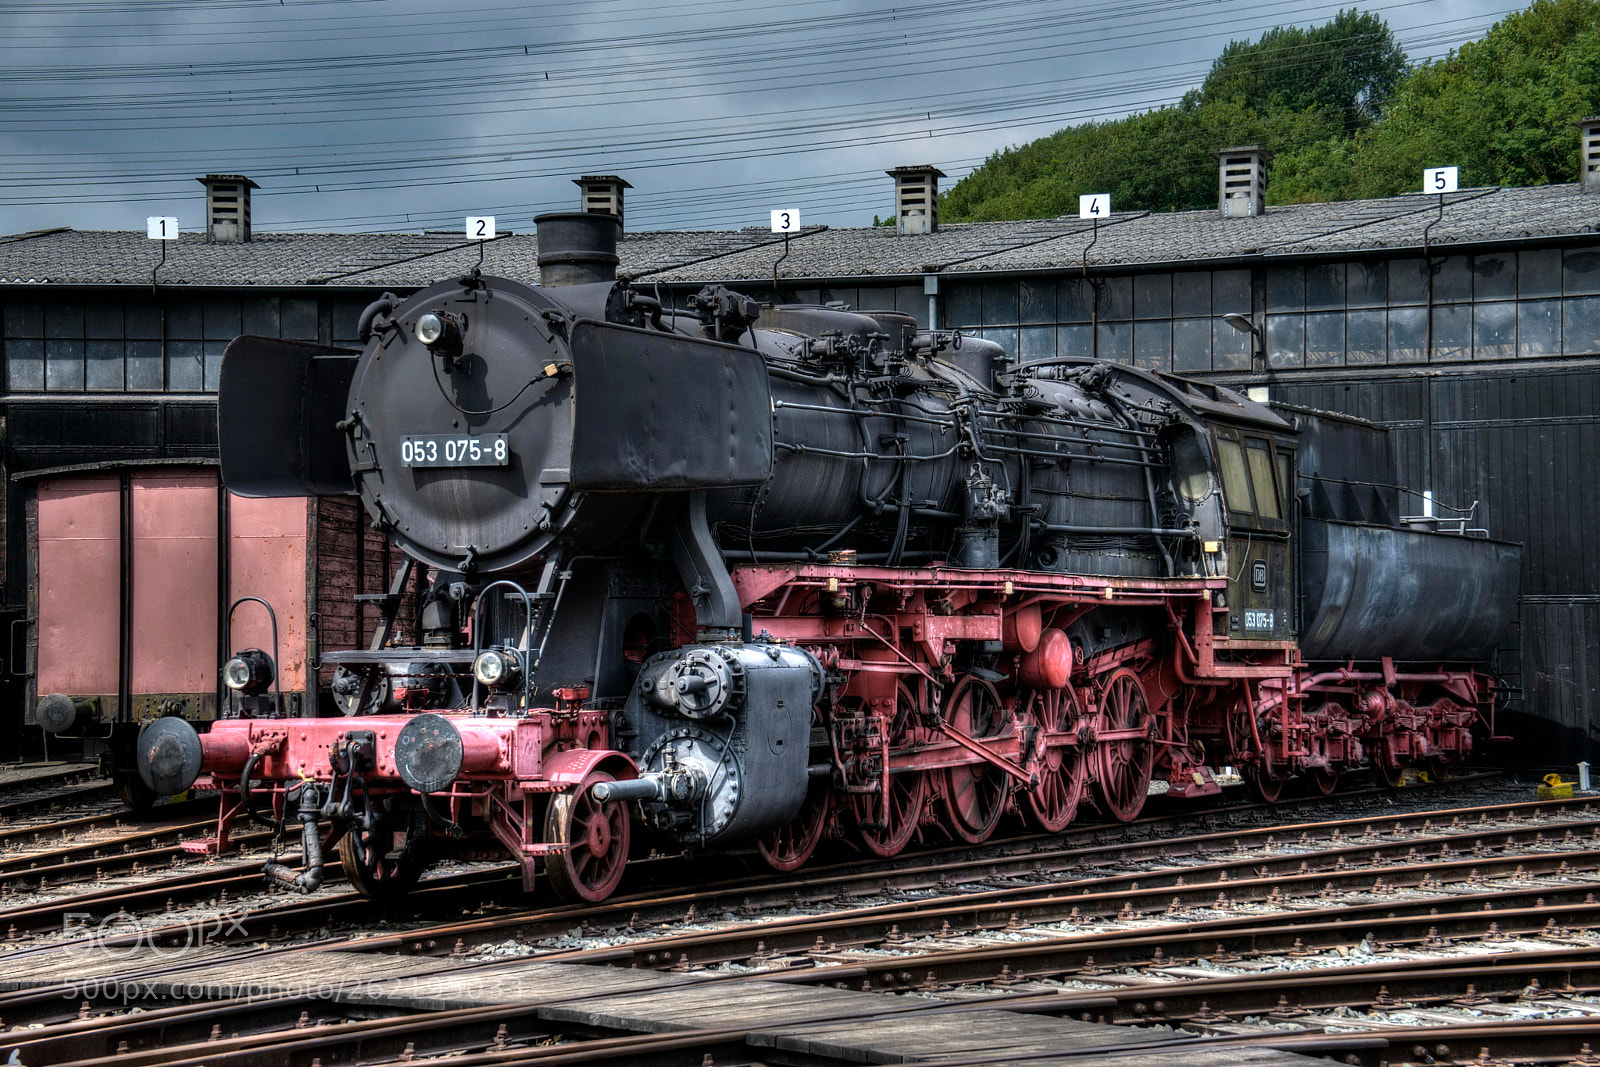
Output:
x=1502 y=109
x=1346 y=69
x=1292 y=88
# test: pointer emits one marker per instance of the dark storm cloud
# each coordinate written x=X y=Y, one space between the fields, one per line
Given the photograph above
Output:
x=409 y=114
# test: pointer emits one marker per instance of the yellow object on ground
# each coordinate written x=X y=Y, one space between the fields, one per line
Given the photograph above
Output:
x=1555 y=789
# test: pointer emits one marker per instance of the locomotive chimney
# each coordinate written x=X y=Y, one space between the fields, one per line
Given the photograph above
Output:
x=1242 y=181
x=601 y=193
x=1589 y=153
x=227 y=207
x=916 y=198
x=577 y=247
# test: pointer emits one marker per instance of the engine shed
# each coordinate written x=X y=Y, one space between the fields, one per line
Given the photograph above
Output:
x=1466 y=325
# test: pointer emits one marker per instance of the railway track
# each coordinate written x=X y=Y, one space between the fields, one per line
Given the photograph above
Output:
x=1390 y=915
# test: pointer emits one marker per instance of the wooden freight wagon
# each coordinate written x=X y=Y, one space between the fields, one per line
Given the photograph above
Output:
x=134 y=571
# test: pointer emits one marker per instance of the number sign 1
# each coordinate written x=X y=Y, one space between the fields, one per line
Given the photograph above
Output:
x=158 y=228
x=480 y=227
x=787 y=221
x=1094 y=206
x=1440 y=179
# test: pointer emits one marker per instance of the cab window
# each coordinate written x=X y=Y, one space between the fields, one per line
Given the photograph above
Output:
x=1251 y=482
x=1261 y=478
x=1235 y=480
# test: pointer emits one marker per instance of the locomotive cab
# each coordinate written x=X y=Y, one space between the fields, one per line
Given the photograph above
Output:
x=1256 y=468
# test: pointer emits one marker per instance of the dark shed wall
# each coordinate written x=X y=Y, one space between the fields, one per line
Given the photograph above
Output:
x=1522 y=442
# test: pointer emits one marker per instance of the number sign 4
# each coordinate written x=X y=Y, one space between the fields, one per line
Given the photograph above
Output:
x=1094 y=206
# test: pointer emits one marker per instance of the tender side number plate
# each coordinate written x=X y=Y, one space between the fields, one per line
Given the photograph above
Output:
x=440 y=450
x=1258 y=620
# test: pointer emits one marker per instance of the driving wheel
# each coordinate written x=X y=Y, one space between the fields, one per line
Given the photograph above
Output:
x=1123 y=764
x=887 y=819
x=1053 y=803
x=975 y=793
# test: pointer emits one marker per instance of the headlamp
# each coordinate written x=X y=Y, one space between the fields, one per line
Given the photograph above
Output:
x=497 y=668
x=249 y=672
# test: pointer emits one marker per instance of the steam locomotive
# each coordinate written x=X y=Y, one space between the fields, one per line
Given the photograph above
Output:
x=744 y=574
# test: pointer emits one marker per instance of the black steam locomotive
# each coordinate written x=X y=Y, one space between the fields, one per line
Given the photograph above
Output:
x=743 y=573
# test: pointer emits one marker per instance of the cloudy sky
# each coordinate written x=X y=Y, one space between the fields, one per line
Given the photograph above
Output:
x=406 y=115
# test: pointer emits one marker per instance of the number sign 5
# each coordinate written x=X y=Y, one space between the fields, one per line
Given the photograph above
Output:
x=1440 y=179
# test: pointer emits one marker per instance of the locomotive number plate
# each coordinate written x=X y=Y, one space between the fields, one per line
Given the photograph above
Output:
x=442 y=450
x=1258 y=620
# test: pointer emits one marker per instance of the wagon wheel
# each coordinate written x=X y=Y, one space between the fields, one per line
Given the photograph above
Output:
x=1265 y=779
x=886 y=829
x=597 y=835
x=1123 y=765
x=371 y=864
x=1388 y=775
x=974 y=794
x=787 y=847
x=1323 y=781
x=1051 y=805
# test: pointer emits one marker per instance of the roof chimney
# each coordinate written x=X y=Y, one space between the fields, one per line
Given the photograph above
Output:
x=227 y=207
x=601 y=193
x=916 y=198
x=1589 y=153
x=1242 y=181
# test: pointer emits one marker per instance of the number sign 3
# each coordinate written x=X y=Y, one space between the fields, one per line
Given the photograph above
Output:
x=787 y=221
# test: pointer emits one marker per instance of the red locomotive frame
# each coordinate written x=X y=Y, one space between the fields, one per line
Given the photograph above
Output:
x=912 y=747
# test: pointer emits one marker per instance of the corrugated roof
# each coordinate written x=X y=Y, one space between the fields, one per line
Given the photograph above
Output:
x=400 y=260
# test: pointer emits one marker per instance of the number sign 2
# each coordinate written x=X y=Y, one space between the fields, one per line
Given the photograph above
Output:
x=1094 y=206
x=480 y=227
x=159 y=228
x=786 y=221
x=1440 y=179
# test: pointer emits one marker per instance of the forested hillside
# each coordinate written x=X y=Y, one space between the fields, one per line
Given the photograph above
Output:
x=1341 y=109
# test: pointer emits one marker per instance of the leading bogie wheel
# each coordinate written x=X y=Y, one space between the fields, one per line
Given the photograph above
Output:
x=787 y=847
x=596 y=834
x=1124 y=764
x=372 y=864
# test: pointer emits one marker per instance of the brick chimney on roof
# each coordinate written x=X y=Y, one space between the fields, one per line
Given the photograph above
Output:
x=1589 y=153
x=227 y=207
x=1242 y=181
x=601 y=193
x=916 y=198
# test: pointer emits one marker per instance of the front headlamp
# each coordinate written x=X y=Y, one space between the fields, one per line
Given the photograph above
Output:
x=497 y=668
x=248 y=672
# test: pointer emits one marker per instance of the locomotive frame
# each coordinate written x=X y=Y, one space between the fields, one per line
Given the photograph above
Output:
x=778 y=575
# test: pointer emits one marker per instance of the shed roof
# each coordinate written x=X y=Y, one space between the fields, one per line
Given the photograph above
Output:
x=1129 y=240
